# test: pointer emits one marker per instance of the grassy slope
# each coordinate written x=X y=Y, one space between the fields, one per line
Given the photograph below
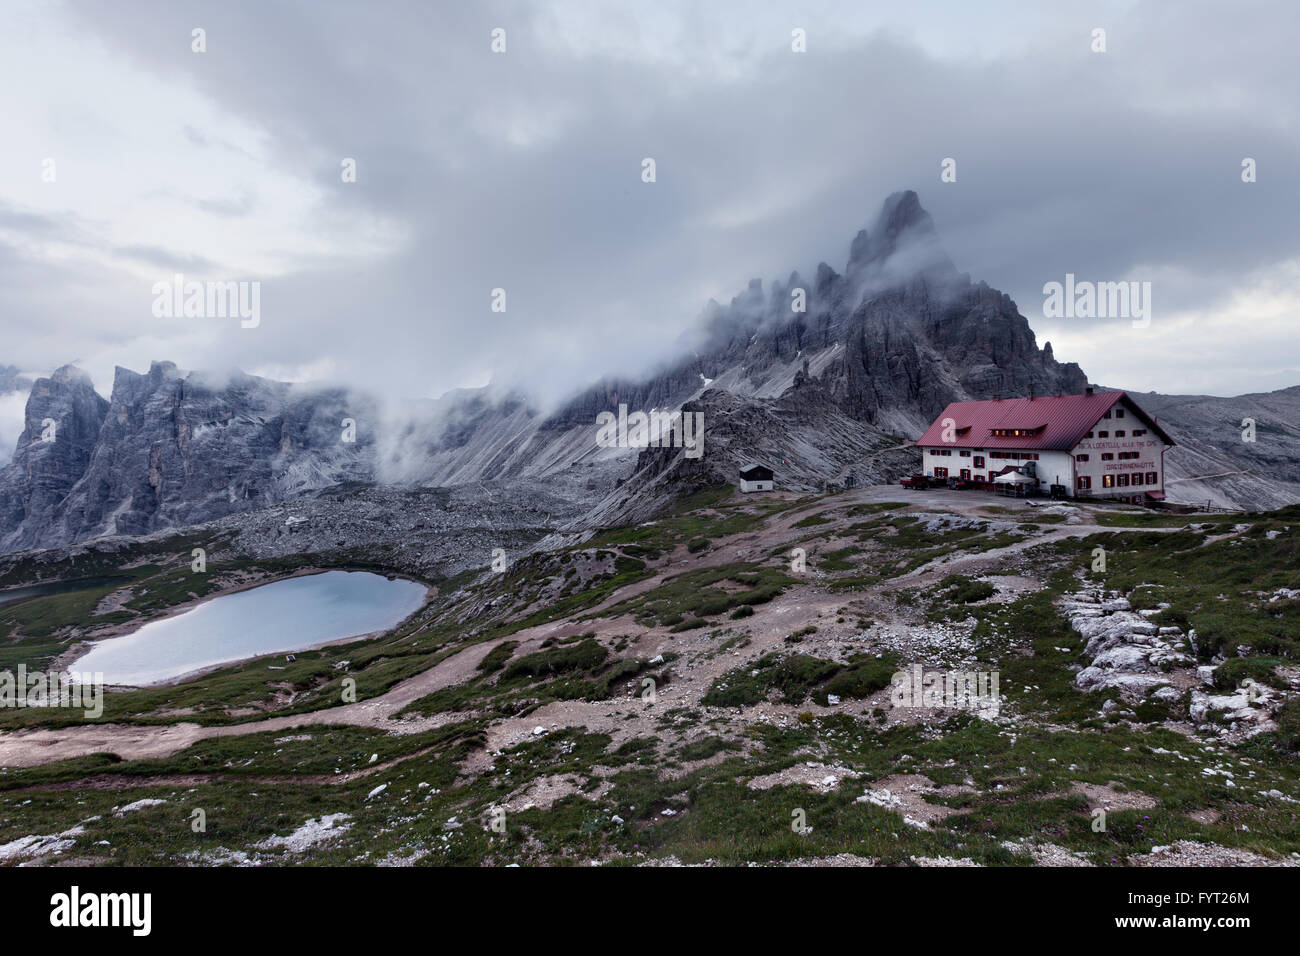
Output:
x=255 y=786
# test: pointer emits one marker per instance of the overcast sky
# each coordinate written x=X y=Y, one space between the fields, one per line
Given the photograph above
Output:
x=522 y=170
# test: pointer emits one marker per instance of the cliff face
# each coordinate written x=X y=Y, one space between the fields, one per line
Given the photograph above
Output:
x=169 y=449
x=59 y=437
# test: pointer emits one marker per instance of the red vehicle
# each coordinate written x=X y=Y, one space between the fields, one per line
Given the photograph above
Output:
x=915 y=481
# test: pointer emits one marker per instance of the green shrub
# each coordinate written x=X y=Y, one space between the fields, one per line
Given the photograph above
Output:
x=864 y=676
x=496 y=658
x=584 y=655
x=1232 y=672
x=793 y=677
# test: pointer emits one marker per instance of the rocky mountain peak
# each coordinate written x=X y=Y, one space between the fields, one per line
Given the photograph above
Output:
x=902 y=242
x=61 y=427
x=69 y=375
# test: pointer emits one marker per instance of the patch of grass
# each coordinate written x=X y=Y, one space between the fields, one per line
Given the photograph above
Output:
x=864 y=675
x=811 y=521
x=496 y=658
x=705 y=748
x=792 y=676
x=699 y=594
x=1233 y=672
x=583 y=655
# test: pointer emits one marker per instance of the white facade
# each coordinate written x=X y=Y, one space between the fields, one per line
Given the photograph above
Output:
x=1101 y=472
x=1094 y=468
x=979 y=464
x=746 y=485
x=1121 y=457
x=984 y=464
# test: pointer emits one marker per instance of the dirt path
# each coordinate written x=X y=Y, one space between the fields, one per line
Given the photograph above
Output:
x=122 y=781
x=26 y=748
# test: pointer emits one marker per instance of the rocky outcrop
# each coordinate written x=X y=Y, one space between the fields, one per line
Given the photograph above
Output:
x=808 y=441
x=172 y=449
x=1143 y=660
x=1128 y=652
x=60 y=434
x=1214 y=462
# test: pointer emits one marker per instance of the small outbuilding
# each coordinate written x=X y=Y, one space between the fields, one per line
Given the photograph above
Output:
x=756 y=477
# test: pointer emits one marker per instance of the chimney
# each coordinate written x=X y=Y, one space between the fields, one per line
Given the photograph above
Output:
x=1089 y=392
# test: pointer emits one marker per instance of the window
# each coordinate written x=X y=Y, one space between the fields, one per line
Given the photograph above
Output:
x=1119 y=413
x=979 y=461
x=1103 y=434
x=1089 y=434
x=965 y=454
x=1151 y=478
x=1120 y=433
x=941 y=473
x=1139 y=432
x=1129 y=455
x=1107 y=456
x=1108 y=481
x=1106 y=415
x=1137 y=478
x=979 y=477
x=1123 y=480
x=965 y=474
x=1084 y=482
x=1080 y=457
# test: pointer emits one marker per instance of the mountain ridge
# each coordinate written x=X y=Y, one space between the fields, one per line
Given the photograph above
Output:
x=863 y=358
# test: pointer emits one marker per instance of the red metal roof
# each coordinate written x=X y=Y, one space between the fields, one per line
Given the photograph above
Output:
x=1064 y=421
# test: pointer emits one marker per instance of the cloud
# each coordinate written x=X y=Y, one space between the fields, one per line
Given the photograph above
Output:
x=166 y=259
x=522 y=171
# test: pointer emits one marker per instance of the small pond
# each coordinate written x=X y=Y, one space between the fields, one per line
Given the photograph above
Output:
x=288 y=615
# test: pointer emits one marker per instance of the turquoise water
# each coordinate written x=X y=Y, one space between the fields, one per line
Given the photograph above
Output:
x=288 y=615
